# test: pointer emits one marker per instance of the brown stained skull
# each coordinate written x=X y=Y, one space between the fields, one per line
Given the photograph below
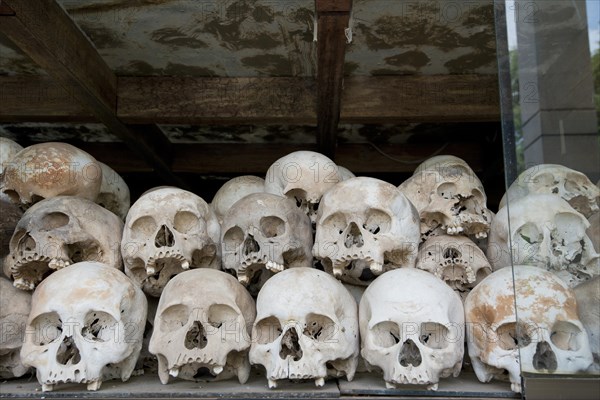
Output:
x=61 y=231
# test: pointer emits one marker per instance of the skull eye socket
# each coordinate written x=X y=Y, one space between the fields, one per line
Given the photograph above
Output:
x=337 y=222
x=527 y=240
x=272 y=226
x=434 y=335
x=174 y=317
x=233 y=238
x=320 y=328
x=544 y=179
x=146 y=225
x=267 y=330
x=53 y=221
x=377 y=221
x=386 y=334
x=219 y=314
x=185 y=222
x=512 y=336
x=447 y=190
x=47 y=328
x=99 y=327
x=566 y=336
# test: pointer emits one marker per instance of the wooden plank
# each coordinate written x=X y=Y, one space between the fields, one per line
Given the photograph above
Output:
x=332 y=20
x=43 y=30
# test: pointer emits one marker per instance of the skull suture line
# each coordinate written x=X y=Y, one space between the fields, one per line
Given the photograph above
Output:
x=167 y=231
x=365 y=227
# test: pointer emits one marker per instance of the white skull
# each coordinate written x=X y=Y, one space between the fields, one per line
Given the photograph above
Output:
x=11 y=214
x=547 y=337
x=86 y=326
x=593 y=231
x=365 y=227
x=345 y=173
x=168 y=231
x=202 y=325
x=114 y=192
x=61 y=231
x=572 y=186
x=306 y=328
x=233 y=190
x=14 y=310
x=416 y=334
x=545 y=231
x=263 y=234
x=456 y=260
x=588 y=299
x=445 y=164
x=51 y=169
x=8 y=149
x=450 y=197
x=303 y=176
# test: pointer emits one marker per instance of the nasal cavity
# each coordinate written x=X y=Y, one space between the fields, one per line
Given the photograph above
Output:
x=195 y=338
x=68 y=353
x=290 y=345
x=353 y=236
x=410 y=354
x=544 y=358
x=164 y=237
x=452 y=253
x=250 y=245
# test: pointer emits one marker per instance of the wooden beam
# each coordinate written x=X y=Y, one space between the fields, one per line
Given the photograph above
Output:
x=178 y=100
x=45 y=32
x=332 y=20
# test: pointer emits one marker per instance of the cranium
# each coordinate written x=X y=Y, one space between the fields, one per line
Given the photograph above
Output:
x=114 y=192
x=14 y=309
x=168 y=231
x=306 y=327
x=263 y=234
x=588 y=298
x=11 y=214
x=8 y=149
x=58 y=232
x=546 y=337
x=449 y=197
x=51 y=169
x=303 y=176
x=456 y=260
x=545 y=231
x=85 y=326
x=345 y=173
x=365 y=227
x=570 y=185
x=201 y=329
x=414 y=334
x=233 y=190
x=446 y=165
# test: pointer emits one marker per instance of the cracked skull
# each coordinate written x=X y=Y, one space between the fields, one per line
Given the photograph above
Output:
x=365 y=227
x=167 y=231
x=14 y=310
x=416 y=334
x=58 y=232
x=547 y=337
x=202 y=325
x=545 y=231
x=456 y=260
x=85 y=326
x=306 y=328
x=264 y=234
x=451 y=199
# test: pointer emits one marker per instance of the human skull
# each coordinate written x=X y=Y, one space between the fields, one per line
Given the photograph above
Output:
x=547 y=337
x=345 y=173
x=445 y=164
x=51 y=169
x=114 y=192
x=233 y=190
x=168 y=231
x=201 y=329
x=545 y=231
x=85 y=326
x=593 y=231
x=263 y=234
x=8 y=149
x=588 y=299
x=306 y=328
x=450 y=198
x=365 y=227
x=11 y=214
x=303 y=176
x=572 y=186
x=416 y=334
x=456 y=260
x=14 y=310
x=61 y=231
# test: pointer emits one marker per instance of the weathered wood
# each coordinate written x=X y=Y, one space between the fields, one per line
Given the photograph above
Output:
x=332 y=20
x=45 y=32
x=5 y=10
